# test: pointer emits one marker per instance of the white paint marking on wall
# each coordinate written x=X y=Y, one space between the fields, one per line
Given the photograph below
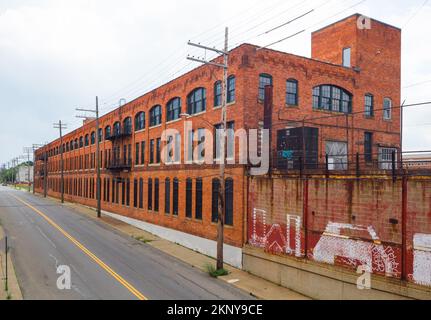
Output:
x=232 y=255
x=297 y=224
x=422 y=259
x=258 y=241
x=333 y=244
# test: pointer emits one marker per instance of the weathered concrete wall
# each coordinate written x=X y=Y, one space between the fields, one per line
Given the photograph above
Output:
x=326 y=282
x=346 y=222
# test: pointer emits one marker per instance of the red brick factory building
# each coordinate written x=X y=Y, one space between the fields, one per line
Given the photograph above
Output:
x=343 y=101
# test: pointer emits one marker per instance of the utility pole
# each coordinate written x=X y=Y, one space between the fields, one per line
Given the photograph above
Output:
x=98 y=180
x=222 y=202
x=28 y=152
x=60 y=126
x=45 y=173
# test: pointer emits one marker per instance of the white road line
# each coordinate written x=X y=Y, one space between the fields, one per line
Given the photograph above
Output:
x=46 y=237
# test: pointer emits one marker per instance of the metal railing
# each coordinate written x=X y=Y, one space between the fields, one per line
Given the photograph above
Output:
x=394 y=164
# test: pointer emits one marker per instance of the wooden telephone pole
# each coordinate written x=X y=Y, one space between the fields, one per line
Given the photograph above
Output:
x=222 y=131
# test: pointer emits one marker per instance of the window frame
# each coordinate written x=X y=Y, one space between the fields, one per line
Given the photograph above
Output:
x=327 y=96
x=173 y=109
x=294 y=94
x=231 y=92
x=193 y=102
x=369 y=105
x=218 y=93
x=155 y=117
x=261 y=94
x=140 y=121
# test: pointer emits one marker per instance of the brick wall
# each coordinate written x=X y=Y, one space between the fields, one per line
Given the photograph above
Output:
x=346 y=222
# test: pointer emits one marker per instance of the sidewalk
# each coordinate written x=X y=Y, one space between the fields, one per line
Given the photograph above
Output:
x=257 y=287
x=14 y=292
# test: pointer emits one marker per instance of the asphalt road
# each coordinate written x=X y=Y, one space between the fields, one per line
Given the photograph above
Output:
x=104 y=264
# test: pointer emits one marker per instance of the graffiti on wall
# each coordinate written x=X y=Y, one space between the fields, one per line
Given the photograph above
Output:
x=347 y=245
x=422 y=259
x=276 y=239
x=372 y=255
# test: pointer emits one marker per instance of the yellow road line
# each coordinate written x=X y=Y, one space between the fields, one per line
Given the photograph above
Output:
x=103 y=265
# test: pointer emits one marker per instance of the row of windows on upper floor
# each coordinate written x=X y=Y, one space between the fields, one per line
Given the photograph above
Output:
x=325 y=97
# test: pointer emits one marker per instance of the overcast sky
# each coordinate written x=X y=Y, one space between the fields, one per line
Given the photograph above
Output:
x=56 y=55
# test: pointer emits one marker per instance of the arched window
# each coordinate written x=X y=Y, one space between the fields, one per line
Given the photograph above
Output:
x=292 y=92
x=76 y=144
x=71 y=145
x=87 y=140
x=81 y=142
x=369 y=105
x=332 y=98
x=155 y=116
x=196 y=101
x=93 y=137
x=387 y=109
x=107 y=132
x=127 y=125
x=67 y=147
x=140 y=121
x=117 y=128
x=231 y=83
x=173 y=109
x=217 y=93
x=264 y=80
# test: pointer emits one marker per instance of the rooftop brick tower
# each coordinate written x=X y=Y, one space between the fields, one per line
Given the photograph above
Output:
x=369 y=46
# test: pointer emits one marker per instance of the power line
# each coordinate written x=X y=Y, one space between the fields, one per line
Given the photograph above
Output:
x=415 y=13
x=417 y=84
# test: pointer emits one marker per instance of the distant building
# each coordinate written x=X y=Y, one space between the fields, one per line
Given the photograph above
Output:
x=417 y=161
x=23 y=175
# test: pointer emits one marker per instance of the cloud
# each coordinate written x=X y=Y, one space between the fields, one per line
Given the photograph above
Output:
x=56 y=55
